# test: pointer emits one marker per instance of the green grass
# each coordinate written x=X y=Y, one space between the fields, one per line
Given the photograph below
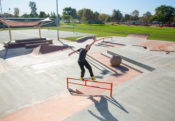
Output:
x=156 y=33
x=166 y=34
x=74 y=39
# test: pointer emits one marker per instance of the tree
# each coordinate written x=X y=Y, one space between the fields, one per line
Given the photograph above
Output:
x=70 y=11
x=67 y=18
x=52 y=15
x=135 y=15
x=33 y=8
x=48 y=15
x=152 y=18
x=164 y=13
x=86 y=15
x=108 y=19
x=26 y=15
x=116 y=15
x=127 y=17
x=102 y=17
x=80 y=14
x=146 y=16
x=8 y=15
x=42 y=14
x=173 y=19
x=16 y=12
x=96 y=16
x=96 y=19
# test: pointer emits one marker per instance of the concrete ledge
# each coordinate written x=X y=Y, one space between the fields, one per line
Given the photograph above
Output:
x=135 y=67
x=27 y=43
x=114 y=43
x=136 y=35
x=29 y=40
x=133 y=62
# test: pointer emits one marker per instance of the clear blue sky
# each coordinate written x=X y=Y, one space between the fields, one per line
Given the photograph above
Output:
x=102 y=6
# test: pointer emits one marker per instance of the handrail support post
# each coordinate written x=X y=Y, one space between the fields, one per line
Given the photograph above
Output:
x=67 y=83
x=111 y=89
x=85 y=83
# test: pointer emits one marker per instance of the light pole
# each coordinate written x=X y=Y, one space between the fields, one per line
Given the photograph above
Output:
x=57 y=20
x=0 y=7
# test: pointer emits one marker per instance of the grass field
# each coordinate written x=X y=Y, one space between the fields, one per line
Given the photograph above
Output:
x=166 y=34
x=156 y=33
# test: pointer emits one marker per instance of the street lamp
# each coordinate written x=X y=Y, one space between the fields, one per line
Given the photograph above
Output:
x=0 y=7
x=57 y=20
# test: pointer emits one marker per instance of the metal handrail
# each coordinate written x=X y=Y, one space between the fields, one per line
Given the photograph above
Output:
x=85 y=84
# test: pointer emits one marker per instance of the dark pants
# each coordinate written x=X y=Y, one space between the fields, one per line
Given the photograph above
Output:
x=86 y=64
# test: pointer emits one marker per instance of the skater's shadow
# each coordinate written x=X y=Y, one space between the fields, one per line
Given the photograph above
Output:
x=102 y=108
x=114 y=102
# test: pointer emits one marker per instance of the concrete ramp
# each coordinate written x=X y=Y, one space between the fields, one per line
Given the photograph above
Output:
x=142 y=36
x=155 y=45
x=83 y=39
x=44 y=49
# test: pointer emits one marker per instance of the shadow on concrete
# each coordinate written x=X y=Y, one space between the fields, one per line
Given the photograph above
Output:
x=123 y=69
x=10 y=53
x=104 y=72
x=43 y=49
x=113 y=101
x=116 y=74
x=3 y=53
x=74 y=93
x=99 y=67
x=97 y=77
x=102 y=107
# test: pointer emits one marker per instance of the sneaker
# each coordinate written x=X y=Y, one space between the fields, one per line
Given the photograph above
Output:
x=93 y=77
x=81 y=78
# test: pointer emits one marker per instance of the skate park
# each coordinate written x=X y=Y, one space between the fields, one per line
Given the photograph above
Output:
x=34 y=85
x=132 y=57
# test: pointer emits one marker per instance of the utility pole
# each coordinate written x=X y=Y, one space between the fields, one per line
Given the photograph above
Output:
x=57 y=20
x=0 y=7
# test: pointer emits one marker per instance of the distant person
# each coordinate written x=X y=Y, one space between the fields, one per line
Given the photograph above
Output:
x=82 y=60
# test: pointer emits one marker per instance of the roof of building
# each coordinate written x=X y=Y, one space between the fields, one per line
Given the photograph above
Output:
x=12 y=23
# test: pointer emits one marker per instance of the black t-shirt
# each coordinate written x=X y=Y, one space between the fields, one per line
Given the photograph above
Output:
x=82 y=54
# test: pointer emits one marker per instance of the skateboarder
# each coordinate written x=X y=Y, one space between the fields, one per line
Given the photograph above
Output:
x=82 y=60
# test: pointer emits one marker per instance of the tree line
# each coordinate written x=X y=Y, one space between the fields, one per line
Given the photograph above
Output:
x=33 y=13
x=163 y=14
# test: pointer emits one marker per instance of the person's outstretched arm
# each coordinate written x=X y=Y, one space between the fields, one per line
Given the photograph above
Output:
x=89 y=46
x=73 y=52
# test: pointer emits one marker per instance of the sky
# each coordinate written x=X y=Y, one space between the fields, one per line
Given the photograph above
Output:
x=102 y=6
